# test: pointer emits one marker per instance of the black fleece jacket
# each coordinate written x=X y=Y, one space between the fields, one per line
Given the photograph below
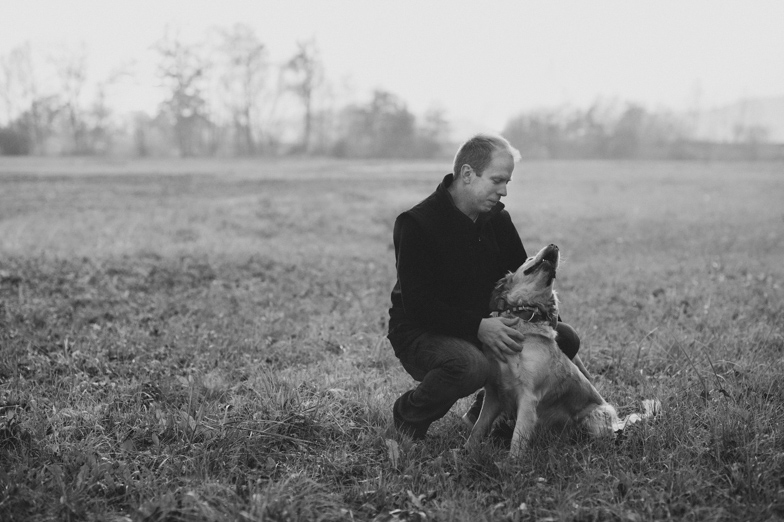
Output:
x=447 y=267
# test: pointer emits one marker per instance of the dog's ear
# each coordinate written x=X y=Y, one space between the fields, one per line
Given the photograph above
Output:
x=498 y=300
x=498 y=304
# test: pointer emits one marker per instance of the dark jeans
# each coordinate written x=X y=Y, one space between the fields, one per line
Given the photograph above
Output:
x=448 y=369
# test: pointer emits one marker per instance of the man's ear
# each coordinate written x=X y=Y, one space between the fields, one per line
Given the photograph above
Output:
x=465 y=172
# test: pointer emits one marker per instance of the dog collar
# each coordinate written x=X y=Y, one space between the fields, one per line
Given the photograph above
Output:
x=531 y=314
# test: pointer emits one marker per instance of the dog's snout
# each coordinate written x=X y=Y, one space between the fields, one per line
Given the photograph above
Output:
x=551 y=253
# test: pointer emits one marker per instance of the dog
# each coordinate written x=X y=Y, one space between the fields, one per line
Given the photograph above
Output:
x=540 y=384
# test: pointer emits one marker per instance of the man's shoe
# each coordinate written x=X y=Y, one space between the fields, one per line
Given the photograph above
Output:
x=415 y=431
x=469 y=418
x=580 y=366
x=410 y=430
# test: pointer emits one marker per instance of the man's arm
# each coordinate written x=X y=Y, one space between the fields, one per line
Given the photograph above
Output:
x=499 y=334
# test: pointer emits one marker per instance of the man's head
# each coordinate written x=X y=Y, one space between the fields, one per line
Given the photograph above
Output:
x=478 y=151
x=483 y=168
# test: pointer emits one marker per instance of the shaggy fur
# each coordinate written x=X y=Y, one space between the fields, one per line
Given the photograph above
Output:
x=541 y=384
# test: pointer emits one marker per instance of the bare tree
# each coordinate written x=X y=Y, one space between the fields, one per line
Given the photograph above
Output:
x=433 y=132
x=100 y=115
x=7 y=84
x=244 y=81
x=71 y=67
x=182 y=70
x=99 y=125
x=305 y=72
x=28 y=110
x=382 y=128
x=16 y=71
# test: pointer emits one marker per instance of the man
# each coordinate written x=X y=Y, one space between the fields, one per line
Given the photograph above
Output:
x=450 y=250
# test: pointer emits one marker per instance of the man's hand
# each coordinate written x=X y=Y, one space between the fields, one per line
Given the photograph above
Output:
x=497 y=334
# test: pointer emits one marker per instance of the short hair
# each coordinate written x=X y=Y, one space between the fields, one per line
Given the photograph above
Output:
x=477 y=152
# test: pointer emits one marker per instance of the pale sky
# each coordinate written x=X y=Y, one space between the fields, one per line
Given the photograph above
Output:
x=483 y=61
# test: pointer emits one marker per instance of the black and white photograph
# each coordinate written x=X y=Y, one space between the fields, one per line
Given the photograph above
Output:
x=391 y=261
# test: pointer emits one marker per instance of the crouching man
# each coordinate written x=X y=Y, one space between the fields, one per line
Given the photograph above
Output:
x=450 y=251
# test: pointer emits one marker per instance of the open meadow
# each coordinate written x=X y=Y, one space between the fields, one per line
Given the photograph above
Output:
x=205 y=340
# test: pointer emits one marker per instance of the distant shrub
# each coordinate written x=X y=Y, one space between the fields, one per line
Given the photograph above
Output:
x=13 y=142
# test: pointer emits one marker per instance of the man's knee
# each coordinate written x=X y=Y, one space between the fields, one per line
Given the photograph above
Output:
x=567 y=339
x=468 y=370
x=456 y=364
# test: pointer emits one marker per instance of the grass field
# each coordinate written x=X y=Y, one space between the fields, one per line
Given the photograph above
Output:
x=204 y=340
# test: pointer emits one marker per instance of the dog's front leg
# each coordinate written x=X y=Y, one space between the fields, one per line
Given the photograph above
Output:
x=491 y=409
x=524 y=426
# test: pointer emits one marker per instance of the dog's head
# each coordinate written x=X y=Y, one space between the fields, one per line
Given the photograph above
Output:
x=531 y=285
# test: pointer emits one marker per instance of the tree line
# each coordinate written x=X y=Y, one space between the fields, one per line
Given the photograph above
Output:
x=612 y=129
x=225 y=96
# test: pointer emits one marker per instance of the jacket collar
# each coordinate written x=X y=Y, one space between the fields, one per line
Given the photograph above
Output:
x=444 y=194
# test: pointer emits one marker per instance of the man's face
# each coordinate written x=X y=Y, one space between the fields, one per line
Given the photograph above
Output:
x=488 y=189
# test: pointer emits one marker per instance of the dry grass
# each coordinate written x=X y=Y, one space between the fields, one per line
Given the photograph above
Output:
x=205 y=341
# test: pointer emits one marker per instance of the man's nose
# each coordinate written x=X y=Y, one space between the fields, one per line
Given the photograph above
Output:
x=502 y=191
